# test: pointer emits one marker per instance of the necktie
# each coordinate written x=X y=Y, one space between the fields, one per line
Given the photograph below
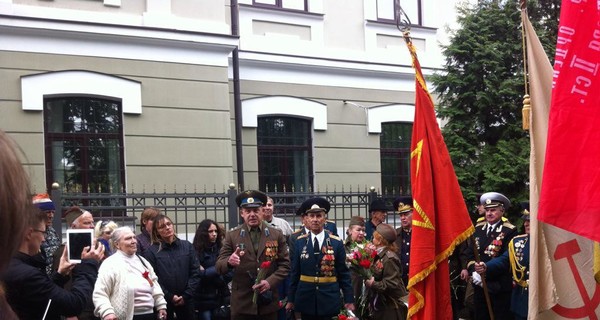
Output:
x=489 y=230
x=316 y=246
x=255 y=236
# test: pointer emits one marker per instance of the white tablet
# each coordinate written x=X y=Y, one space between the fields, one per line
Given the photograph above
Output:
x=77 y=239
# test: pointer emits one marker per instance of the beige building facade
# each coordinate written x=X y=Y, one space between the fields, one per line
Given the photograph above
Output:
x=133 y=95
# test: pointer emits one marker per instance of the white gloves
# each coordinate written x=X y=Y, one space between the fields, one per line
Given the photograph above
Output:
x=477 y=279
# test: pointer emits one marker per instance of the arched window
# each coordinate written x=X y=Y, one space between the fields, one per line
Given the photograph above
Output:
x=284 y=153
x=84 y=144
x=395 y=157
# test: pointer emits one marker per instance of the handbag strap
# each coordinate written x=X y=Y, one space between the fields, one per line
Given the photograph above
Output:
x=142 y=261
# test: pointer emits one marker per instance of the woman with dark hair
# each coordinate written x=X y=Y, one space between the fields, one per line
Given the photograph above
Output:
x=214 y=291
x=176 y=266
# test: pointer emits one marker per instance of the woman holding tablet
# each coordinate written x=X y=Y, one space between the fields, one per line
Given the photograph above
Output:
x=127 y=287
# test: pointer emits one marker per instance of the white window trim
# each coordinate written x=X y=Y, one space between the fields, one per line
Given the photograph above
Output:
x=287 y=106
x=390 y=113
x=78 y=82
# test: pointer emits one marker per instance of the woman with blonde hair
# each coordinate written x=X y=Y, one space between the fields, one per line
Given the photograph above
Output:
x=385 y=287
x=103 y=231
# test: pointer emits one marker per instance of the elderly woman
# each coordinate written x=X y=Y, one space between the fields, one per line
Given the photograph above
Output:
x=103 y=231
x=385 y=287
x=127 y=287
x=214 y=292
x=355 y=234
x=176 y=265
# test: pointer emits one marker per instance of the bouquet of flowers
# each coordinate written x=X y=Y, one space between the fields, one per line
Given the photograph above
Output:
x=262 y=273
x=361 y=258
x=345 y=314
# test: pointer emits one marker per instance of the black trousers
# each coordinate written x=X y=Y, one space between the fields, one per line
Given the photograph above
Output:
x=147 y=316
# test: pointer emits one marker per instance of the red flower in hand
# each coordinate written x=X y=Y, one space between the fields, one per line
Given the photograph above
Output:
x=265 y=265
x=342 y=317
x=373 y=254
x=365 y=264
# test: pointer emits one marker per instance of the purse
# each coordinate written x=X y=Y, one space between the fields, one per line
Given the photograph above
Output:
x=224 y=311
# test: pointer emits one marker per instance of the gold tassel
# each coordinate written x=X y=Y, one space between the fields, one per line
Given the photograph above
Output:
x=596 y=267
x=526 y=111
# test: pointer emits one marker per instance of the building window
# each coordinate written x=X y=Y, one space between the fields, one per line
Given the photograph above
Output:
x=387 y=10
x=284 y=154
x=301 y=5
x=395 y=157
x=84 y=144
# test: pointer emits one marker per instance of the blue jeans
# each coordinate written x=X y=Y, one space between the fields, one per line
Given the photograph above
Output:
x=203 y=315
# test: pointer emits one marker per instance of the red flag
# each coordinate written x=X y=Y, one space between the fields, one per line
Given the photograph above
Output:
x=571 y=183
x=441 y=219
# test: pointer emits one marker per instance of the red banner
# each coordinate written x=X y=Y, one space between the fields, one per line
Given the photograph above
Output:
x=570 y=194
x=440 y=218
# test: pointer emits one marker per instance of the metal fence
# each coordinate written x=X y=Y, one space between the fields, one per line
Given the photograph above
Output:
x=188 y=209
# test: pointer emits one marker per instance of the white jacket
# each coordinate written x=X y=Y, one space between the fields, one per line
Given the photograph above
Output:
x=112 y=293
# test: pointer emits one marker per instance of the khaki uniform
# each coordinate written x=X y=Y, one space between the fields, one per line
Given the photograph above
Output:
x=271 y=243
x=386 y=293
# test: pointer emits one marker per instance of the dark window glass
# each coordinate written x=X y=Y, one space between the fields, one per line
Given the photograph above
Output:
x=284 y=154
x=84 y=144
x=301 y=5
x=387 y=10
x=395 y=157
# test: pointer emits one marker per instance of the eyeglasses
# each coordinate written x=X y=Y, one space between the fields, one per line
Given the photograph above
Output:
x=37 y=230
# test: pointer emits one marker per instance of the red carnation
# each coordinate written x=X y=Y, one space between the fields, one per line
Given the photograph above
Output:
x=342 y=317
x=357 y=255
x=265 y=265
x=365 y=264
x=373 y=254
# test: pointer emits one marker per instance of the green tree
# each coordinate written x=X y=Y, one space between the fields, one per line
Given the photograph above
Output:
x=480 y=95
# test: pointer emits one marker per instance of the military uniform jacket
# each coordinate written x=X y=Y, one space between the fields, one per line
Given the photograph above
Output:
x=403 y=242
x=386 y=291
x=319 y=298
x=271 y=243
x=293 y=238
x=490 y=247
x=519 y=252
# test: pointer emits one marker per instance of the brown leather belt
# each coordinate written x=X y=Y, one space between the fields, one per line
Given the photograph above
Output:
x=313 y=279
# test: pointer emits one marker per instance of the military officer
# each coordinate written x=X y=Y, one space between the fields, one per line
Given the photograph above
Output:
x=516 y=261
x=378 y=211
x=319 y=268
x=403 y=205
x=491 y=239
x=249 y=250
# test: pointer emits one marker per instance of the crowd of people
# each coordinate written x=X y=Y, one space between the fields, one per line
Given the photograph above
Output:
x=262 y=269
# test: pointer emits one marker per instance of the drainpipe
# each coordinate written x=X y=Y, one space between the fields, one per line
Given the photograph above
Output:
x=237 y=102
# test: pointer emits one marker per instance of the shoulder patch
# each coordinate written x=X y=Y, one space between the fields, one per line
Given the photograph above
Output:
x=302 y=236
x=480 y=223
x=330 y=221
x=508 y=225
x=521 y=236
x=236 y=228
x=297 y=231
x=480 y=219
x=332 y=236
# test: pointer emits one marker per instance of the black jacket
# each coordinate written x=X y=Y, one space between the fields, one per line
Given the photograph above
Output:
x=29 y=289
x=213 y=290
x=176 y=266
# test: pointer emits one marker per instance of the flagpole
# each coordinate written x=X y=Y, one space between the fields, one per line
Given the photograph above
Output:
x=483 y=281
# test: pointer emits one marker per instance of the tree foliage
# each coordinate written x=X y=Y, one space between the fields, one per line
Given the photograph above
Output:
x=480 y=95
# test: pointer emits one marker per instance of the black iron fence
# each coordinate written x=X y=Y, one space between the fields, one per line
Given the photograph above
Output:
x=188 y=209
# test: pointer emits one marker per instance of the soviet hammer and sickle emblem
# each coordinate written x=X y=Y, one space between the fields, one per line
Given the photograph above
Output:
x=566 y=251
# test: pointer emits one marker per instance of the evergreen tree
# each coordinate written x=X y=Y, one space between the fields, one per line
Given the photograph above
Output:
x=480 y=95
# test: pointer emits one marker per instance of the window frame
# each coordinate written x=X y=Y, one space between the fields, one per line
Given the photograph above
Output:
x=419 y=21
x=401 y=155
x=286 y=149
x=50 y=137
x=279 y=5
